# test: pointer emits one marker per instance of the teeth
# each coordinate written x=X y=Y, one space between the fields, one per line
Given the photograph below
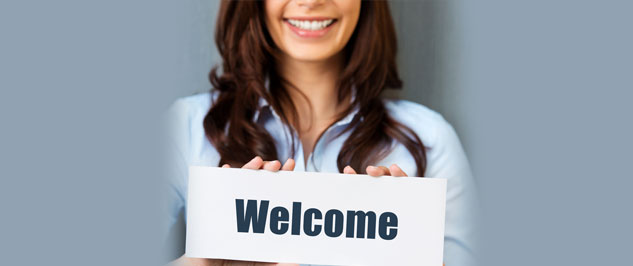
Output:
x=310 y=25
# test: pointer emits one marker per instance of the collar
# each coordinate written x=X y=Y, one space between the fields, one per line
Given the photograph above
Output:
x=262 y=105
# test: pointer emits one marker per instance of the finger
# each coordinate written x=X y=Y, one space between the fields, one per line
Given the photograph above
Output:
x=272 y=165
x=226 y=165
x=238 y=263
x=255 y=164
x=193 y=261
x=289 y=165
x=396 y=171
x=349 y=170
x=377 y=170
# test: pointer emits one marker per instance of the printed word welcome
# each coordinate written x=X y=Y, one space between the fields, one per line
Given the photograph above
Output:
x=332 y=225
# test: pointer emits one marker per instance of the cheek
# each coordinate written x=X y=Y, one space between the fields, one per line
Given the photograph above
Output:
x=274 y=8
x=351 y=11
x=273 y=12
x=349 y=8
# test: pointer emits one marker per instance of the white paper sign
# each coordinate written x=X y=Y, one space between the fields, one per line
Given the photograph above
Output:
x=314 y=218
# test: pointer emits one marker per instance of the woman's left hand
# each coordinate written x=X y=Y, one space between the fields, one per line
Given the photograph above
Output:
x=393 y=170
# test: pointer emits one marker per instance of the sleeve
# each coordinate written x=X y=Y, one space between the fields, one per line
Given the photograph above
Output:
x=447 y=159
x=177 y=142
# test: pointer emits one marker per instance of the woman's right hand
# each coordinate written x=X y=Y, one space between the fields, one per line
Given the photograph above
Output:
x=258 y=163
x=255 y=164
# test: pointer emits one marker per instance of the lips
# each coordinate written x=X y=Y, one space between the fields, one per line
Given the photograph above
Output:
x=310 y=27
x=311 y=24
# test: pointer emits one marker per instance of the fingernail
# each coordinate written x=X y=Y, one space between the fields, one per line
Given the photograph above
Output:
x=270 y=162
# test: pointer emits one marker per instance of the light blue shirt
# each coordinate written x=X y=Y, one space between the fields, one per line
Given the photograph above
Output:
x=445 y=159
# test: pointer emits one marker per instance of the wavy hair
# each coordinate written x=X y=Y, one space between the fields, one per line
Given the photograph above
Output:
x=249 y=74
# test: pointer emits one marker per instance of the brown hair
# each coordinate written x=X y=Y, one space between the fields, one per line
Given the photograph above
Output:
x=249 y=55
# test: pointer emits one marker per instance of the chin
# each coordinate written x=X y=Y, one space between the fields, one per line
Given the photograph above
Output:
x=317 y=53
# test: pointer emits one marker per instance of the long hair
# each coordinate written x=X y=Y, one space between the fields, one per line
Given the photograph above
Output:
x=248 y=54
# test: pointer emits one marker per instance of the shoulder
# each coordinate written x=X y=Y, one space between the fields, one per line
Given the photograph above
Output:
x=428 y=124
x=191 y=106
x=185 y=121
x=408 y=109
x=191 y=110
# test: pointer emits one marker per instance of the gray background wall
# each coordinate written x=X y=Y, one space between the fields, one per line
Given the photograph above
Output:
x=538 y=90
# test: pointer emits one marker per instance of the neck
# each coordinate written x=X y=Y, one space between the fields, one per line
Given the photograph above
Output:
x=314 y=92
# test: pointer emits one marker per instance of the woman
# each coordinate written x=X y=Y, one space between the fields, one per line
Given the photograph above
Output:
x=300 y=84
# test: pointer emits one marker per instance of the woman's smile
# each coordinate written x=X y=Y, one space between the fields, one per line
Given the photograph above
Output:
x=311 y=31
x=310 y=27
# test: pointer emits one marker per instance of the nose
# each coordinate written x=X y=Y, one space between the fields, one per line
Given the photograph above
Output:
x=310 y=3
